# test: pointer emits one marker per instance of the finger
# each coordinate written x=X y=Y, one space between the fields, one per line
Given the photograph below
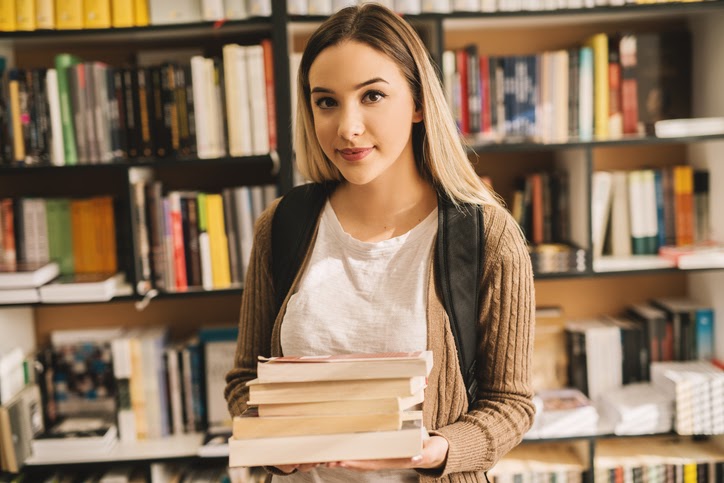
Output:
x=287 y=468
x=307 y=467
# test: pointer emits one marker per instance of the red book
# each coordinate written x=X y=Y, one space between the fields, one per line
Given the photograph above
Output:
x=271 y=110
x=461 y=66
x=629 y=85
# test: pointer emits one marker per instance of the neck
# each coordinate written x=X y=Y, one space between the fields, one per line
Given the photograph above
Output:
x=382 y=210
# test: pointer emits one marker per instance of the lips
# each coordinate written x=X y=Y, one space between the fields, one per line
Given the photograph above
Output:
x=354 y=154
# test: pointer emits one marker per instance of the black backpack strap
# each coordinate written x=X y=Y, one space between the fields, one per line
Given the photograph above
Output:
x=293 y=225
x=458 y=255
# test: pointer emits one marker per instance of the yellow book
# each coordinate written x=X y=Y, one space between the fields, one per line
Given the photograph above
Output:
x=18 y=140
x=7 y=16
x=69 y=14
x=45 y=14
x=599 y=44
x=140 y=13
x=690 y=475
x=25 y=14
x=123 y=13
x=218 y=243
x=96 y=14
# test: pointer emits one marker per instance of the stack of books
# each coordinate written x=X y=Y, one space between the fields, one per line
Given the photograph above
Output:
x=562 y=413
x=19 y=281
x=639 y=408
x=332 y=408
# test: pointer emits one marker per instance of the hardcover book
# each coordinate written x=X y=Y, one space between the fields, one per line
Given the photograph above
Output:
x=345 y=366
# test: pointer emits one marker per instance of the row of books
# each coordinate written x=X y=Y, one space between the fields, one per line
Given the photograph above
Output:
x=607 y=352
x=541 y=206
x=642 y=211
x=332 y=408
x=698 y=391
x=600 y=90
x=412 y=7
x=78 y=234
x=30 y=15
x=663 y=459
x=89 y=112
x=191 y=239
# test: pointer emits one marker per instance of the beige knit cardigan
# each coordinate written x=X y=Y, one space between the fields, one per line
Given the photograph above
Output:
x=503 y=413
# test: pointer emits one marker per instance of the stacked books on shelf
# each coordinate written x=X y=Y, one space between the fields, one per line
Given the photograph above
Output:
x=639 y=408
x=19 y=281
x=559 y=462
x=563 y=413
x=636 y=215
x=332 y=408
x=697 y=388
x=89 y=436
x=30 y=16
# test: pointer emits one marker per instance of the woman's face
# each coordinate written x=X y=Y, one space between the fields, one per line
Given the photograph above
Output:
x=363 y=112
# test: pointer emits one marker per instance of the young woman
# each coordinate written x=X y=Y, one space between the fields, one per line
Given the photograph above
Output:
x=373 y=124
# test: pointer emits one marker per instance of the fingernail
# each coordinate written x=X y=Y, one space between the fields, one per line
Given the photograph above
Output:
x=416 y=459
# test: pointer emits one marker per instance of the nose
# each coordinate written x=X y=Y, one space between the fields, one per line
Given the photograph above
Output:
x=351 y=123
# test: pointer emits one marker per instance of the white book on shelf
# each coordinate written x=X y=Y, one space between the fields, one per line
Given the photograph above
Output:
x=12 y=375
x=167 y=12
x=212 y=10
x=409 y=7
x=338 y=5
x=122 y=371
x=19 y=296
x=466 y=5
x=488 y=6
x=57 y=153
x=235 y=9
x=175 y=402
x=601 y=183
x=260 y=8
x=297 y=7
x=245 y=222
x=202 y=98
x=84 y=287
x=237 y=100
x=216 y=107
x=25 y=275
x=620 y=225
x=436 y=6
x=257 y=99
x=700 y=126
x=320 y=7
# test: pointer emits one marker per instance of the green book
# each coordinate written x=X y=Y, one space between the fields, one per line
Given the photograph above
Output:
x=60 y=237
x=62 y=63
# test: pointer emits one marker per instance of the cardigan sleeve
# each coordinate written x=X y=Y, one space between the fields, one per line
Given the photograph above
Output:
x=257 y=316
x=504 y=410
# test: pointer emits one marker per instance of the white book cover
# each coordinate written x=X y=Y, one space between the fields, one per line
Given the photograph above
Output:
x=297 y=7
x=212 y=10
x=466 y=5
x=235 y=9
x=488 y=6
x=205 y=253
x=436 y=6
x=574 y=4
x=338 y=5
x=245 y=222
x=649 y=206
x=174 y=390
x=237 y=100
x=166 y=12
x=620 y=224
x=409 y=7
x=560 y=95
x=12 y=375
x=19 y=296
x=260 y=8
x=257 y=99
x=201 y=91
x=57 y=154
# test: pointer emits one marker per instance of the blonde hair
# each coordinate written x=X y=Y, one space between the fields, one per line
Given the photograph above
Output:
x=439 y=151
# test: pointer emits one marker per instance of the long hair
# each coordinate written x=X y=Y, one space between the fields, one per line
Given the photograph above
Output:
x=438 y=149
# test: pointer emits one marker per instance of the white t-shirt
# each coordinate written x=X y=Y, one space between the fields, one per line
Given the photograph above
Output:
x=358 y=296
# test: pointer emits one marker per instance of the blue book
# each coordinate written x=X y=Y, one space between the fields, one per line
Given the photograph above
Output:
x=659 y=187
x=704 y=333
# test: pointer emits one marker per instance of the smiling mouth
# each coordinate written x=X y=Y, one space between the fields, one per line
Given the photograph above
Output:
x=354 y=154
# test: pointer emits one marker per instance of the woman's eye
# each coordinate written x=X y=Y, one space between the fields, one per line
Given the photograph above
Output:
x=325 y=102
x=374 y=96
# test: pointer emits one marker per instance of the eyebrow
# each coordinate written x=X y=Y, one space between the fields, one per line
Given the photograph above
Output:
x=358 y=86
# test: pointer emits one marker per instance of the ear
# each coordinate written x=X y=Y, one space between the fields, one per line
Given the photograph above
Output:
x=417 y=115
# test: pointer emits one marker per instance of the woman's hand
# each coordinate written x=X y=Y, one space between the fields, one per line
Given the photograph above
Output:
x=434 y=455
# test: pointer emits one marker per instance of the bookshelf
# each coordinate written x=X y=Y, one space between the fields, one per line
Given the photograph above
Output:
x=582 y=294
